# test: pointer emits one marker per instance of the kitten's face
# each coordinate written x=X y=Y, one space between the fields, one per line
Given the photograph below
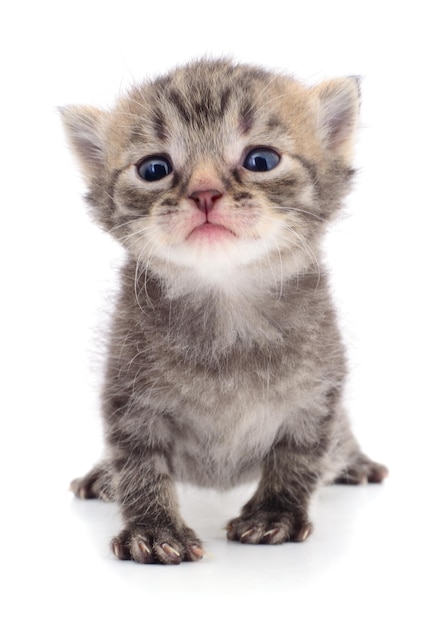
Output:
x=215 y=167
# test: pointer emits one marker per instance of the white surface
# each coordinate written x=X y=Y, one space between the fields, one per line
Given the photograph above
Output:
x=377 y=553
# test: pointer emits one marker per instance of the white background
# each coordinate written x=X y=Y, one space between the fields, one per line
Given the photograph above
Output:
x=377 y=553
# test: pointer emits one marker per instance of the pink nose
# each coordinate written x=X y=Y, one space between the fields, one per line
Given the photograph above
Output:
x=206 y=199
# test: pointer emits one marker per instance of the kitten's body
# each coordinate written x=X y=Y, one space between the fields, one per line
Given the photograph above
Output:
x=225 y=362
x=229 y=393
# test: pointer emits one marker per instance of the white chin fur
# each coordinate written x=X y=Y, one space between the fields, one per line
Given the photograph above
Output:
x=214 y=261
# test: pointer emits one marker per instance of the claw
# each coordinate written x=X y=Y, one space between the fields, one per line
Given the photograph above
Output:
x=168 y=554
x=141 y=552
x=196 y=552
x=117 y=549
x=169 y=549
x=143 y=547
x=304 y=533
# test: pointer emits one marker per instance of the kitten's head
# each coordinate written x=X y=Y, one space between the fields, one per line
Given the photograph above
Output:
x=218 y=167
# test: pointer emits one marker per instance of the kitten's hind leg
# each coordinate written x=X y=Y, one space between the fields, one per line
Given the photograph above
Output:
x=361 y=470
x=350 y=465
x=96 y=484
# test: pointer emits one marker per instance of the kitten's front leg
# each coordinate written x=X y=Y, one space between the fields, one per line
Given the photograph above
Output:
x=278 y=511
x=154 y=530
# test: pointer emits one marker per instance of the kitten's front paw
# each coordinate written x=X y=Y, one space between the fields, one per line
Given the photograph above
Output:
x=156 y=545
x=267 y=527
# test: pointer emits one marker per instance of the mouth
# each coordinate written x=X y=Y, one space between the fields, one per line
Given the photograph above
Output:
x=210 y=232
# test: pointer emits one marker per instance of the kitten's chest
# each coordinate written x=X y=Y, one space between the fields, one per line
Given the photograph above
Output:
x=215 y=362
x=225 y=421
x=226 y=447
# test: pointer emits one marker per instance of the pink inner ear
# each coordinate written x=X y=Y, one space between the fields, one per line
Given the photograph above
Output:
x=339 y=110
x=82 y=127
x=85 y=138
x=89 y=148
x=339 y=127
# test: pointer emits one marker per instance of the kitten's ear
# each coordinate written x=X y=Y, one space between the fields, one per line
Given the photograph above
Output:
x=84 y=127
x=338 y=106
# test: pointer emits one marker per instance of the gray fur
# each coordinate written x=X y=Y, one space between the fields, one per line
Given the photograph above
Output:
x=225 y=362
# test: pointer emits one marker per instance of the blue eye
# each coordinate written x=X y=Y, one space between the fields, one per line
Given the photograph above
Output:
x=154 y=168
x=261 y=160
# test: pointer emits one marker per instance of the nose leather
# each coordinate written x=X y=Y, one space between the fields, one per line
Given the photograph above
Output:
x=206 y=199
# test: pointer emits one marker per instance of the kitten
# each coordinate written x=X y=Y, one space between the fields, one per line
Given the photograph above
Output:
x=225 y=362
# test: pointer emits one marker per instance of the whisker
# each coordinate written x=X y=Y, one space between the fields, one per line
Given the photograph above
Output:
x=305 y=246
x=130 y=221
x=279 y=283
x=298 y=210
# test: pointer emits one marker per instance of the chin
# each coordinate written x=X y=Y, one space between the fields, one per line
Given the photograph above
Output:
x=211 y=256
